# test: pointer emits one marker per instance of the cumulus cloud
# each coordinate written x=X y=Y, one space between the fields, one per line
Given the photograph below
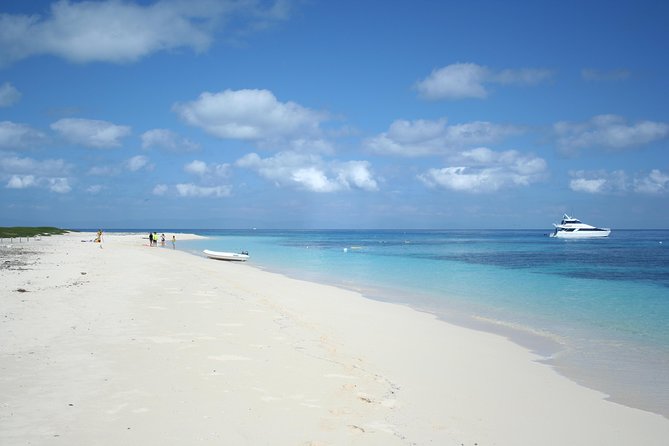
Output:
x=355 y=174
x=618 y=181
x=207 y=174
x=132 y=164
x=468 y=80
x=310 y=172
x=137 y=162
x=655 y=182
x=598 y=182
x=12 y=164
x=21 y=182
x=609 y=132
x=167 y=140
x=487 y=171
x=19 y=136
x=119 y=31
x=196 y=167
x=436 y=137
x=94 y=189
x=253 y=115
x=9 y=95
x=202 y=169
x=22 y=173
x=192 y=190
x=59 y=185
x=91 y=133
x=591 y=186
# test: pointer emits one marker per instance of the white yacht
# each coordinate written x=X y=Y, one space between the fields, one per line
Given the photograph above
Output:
x=571 y=227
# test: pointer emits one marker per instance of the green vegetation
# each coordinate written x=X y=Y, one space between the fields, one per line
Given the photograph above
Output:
x=26 y=231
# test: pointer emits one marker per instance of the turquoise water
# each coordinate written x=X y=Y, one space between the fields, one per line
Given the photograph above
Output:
x=597 y=310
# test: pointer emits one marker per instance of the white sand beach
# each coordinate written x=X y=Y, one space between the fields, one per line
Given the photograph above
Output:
x=138 y=345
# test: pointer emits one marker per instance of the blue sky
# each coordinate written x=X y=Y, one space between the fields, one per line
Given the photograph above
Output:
x=348 y=114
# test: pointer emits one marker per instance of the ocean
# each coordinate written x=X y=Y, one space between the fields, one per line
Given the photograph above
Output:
x=597 y=310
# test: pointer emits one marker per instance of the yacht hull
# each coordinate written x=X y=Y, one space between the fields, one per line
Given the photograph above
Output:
x=582 y=234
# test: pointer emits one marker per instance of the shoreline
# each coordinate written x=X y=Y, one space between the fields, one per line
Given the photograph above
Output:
x=629 y=384
x=159 y=345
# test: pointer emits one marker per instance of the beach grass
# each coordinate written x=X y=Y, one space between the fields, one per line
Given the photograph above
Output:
x=30 y=231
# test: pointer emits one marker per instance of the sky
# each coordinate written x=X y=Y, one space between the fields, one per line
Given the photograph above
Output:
x=318 y=114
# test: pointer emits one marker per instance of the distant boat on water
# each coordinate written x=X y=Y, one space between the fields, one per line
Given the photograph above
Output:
x=571 y=227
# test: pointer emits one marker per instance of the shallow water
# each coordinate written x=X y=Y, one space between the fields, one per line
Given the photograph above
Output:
x=596 y=309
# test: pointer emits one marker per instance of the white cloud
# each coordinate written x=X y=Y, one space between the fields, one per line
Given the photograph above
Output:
x=592 y=186
x=11 y=164
x=90 y=132
x=655 y=182
x=314 y=179
x=9 y=95
x=311 y=172
x=467 y=80
x=21 y=182
x=196 y=167
x=207 y=171
x=426 y=137
x=160 y=189
x=59 y=185
x=132 y=164
x=27 y=172
x=137 y=162
x=192 y=190
x=605 y=182
x=456 y=81
x=598 y=182
x=19 y=136
x=355 y=174
x=168 y=140
x=487 y=171
x=254 y=115
x=608 y=132
x=121 y=31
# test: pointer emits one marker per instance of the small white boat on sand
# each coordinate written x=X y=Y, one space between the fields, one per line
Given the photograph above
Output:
x=571 y=227
x=219 y=255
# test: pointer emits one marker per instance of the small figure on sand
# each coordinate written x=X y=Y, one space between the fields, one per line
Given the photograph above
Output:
x=174 y=242
x=162 y=240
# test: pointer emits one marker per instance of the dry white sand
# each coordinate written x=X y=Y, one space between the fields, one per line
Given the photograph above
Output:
x=150 y=346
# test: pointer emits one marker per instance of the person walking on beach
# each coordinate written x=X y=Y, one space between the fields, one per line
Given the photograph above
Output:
x=155 y=238
x=174 y=242
x=162 y=240
x=150 y=239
